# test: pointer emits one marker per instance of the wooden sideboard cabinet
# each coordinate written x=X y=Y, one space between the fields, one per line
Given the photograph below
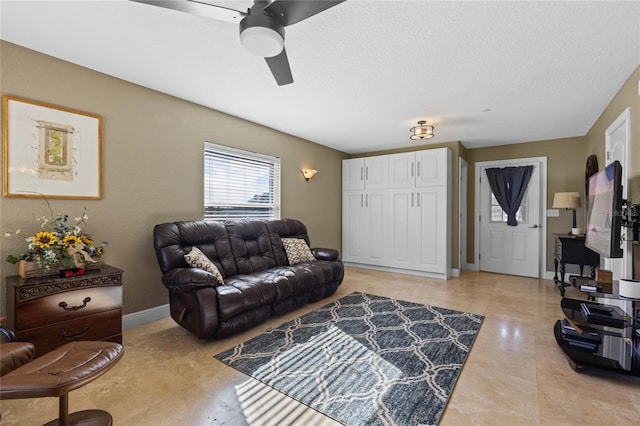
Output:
x=51 y=311
x=571 y=249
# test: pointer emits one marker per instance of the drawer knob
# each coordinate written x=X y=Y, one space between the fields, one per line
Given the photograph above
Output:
x=63 y=334
x=64 y=305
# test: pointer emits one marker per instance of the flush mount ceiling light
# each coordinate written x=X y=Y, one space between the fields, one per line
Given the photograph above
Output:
x=421 y=131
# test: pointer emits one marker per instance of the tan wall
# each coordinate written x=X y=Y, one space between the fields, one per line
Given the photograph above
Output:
x=627 y=97
x=153 y=167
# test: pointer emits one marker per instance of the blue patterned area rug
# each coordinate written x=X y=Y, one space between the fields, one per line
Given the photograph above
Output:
x=364 y=359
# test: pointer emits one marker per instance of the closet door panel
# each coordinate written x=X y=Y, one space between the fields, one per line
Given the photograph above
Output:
x=432 y=239
x=402 y=170
x=431 y=167
x=402 y=219
x=353 y=226
x=376 y=172
x=353 y=174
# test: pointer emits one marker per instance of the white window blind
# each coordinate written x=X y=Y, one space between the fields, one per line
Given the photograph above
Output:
x=240 y=184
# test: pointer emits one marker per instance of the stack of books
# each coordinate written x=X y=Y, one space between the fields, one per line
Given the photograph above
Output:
x=579 y=339
x=595 y=313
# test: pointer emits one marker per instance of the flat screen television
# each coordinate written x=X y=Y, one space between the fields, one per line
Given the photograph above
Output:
x=604 y=211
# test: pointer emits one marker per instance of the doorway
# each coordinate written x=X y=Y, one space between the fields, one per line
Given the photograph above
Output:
x=617 y=148
x=515 y=250
x=462 y=218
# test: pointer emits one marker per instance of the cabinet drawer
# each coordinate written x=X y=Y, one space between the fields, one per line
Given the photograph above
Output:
x=101 y=326
x=67 y=306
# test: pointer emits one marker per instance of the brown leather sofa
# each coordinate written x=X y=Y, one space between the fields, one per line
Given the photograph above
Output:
x=258 y=280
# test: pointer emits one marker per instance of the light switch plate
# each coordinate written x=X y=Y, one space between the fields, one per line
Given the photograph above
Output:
x=553 y=213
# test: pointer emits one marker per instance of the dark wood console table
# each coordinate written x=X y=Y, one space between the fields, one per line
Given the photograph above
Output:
x=52 y=311
x=571 y=249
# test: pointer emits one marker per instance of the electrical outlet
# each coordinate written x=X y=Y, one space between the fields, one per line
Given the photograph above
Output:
x=553 y=213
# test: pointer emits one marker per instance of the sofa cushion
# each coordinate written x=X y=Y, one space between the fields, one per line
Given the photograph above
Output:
x=250 y=245
x=245 y=292
x=199 y=260
x=285 y=228
x=297 y=251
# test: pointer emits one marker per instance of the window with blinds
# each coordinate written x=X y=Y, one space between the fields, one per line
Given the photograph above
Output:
x=240 y=184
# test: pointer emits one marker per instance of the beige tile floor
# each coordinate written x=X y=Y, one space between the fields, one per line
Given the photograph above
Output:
x=515 y=374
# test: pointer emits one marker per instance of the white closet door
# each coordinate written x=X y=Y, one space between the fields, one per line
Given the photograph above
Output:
x=402 y=170
x=375 y=235
x=431 y=167
x=376 y=172
x=431 y=231
x=353 y=226
x=353 y=174
x=402 y=214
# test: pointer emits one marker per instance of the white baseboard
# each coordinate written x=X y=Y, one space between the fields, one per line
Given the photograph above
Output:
x=398 y=270
x=455 y=272
x=143 y=317
x=471 y=267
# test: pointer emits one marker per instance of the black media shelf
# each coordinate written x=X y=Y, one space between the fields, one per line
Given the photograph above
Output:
x=618 y=350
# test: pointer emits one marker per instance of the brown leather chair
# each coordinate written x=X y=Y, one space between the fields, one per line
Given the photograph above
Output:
x=56 y=373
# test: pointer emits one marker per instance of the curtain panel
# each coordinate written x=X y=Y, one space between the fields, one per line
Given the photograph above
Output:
x=509 y=185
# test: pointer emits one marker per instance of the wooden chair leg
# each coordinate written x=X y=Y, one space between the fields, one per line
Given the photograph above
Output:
x=63 y=411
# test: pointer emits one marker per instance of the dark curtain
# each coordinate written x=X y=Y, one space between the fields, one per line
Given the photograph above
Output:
x=509 y=184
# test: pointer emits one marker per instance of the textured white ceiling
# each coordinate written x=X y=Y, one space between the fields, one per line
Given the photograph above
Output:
x=365 y=71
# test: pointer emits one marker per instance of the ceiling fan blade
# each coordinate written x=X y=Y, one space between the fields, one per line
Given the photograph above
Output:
x=279 y=66
x=291 y=12
x=199 y=8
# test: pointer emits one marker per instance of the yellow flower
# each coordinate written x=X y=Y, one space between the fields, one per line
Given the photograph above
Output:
x=71 y=241
x=44 y=239
x=87 y=241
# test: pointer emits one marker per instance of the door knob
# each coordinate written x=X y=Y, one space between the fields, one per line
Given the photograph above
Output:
x=533 y=226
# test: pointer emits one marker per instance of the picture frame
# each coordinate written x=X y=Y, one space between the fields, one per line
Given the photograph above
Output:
x=51 y=151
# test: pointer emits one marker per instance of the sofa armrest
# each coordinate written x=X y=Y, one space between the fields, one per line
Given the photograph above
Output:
x=325 y=253
x=14 y=355
x=185 y=279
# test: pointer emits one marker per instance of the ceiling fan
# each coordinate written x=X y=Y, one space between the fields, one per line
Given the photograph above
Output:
x=261 y=26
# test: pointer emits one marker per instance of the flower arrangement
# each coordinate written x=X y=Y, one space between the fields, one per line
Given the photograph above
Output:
x=59 y=241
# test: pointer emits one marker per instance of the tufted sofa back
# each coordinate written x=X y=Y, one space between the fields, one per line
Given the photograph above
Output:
x=250 y=245
x=235 y=247
x=173 y=240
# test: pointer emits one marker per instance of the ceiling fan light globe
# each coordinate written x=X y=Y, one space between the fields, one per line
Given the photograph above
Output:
x=262 y=41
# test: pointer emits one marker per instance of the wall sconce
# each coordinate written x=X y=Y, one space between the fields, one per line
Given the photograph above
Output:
x=569 y=201
x=421 y=131
x=308 y=173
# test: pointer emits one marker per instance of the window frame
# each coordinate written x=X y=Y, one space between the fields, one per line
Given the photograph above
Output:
x=210 y=152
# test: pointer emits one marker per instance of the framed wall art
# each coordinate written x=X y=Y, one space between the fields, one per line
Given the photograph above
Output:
x=50 y=150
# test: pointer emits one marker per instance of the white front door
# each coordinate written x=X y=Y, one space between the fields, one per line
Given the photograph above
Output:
x=514 y=250
x=617 y=148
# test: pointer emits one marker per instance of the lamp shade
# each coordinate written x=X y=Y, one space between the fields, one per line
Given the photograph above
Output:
x=308 y=173
x=566 y=200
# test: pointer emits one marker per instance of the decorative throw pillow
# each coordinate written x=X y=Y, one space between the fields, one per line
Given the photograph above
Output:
x=198 y=259
x=297 y=250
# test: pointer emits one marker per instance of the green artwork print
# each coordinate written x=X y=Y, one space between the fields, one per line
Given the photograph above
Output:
x=55 y=153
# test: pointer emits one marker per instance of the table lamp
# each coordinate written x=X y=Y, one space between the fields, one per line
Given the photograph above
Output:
x=569 y=201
